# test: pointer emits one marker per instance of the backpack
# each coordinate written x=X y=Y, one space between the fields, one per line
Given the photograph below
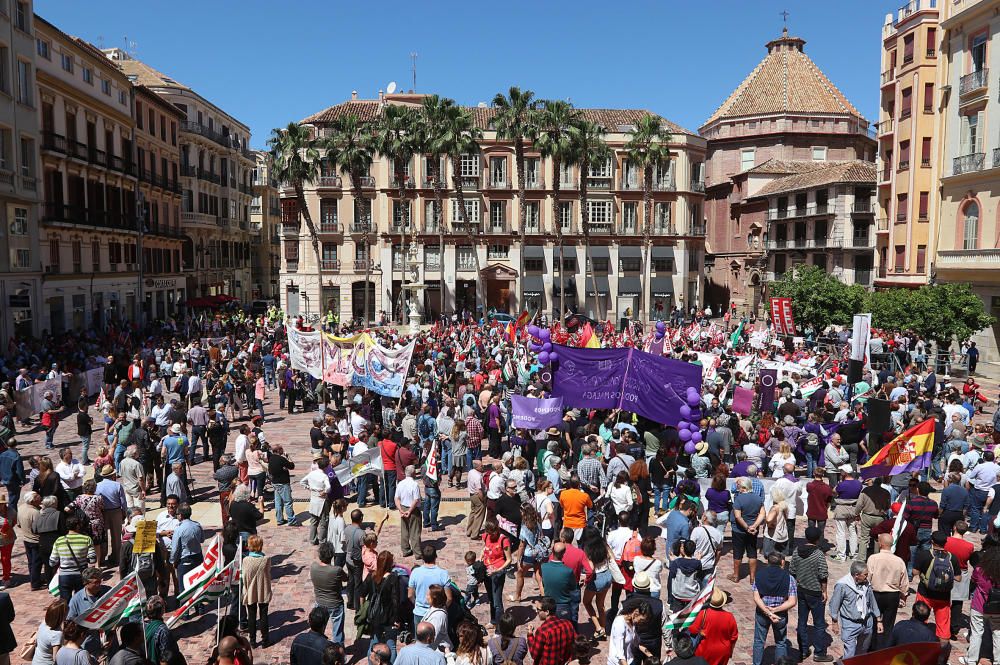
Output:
x=424 y=428
x=939 y=576
x=542 y=547
x=811 y=442
x=143 y=566
x=992 y=603
x=685 y=585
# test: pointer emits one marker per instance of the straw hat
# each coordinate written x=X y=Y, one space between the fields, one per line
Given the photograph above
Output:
x=719 y=598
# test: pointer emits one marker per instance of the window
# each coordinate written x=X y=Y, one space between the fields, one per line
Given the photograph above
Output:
x=663 y=266
x=163 y=127
x=747 y=156
x=901 y=207
x=498 y=252
x=931 y=42
x=21 y=15
x=534 y=265
x=43 y=49
x=106 y=86
x=601 y=215
x=19 y=222
x=329 y=255
x=123 y=99
x=819 y=153
x=921 y=258
x=566 y=216
x=430 y=218
x=970 y=226
x=27 y=158
x=900 y=262
x=138 y=114
x=630 y=217
x=698 y=170
x=661 y=217
x=465 y=258
x=566 y=174
x=77 y=248
x=531 y=220
x=978 y=52
x=54 y=253
x=629 y=264
x=600 y=265
x=928 y=98
x=95 y=255
x=924 y=205
x=600 y=170
x=925 y=151
x=498 y=171
x=904 y=155
x=432 y=257
x=569 y=263
x=21 y=258
x=398 y=209
x=780 y=264
x=907 y=49
x=67 y=62
x=25 y=94
x=907 y=99
x=88 y=75
x=328 y=214
x=663 y=175
x=152 y=122
x=498 y=216
x=971 y=138
x=4 y=77
x=469 y=166
x=532 y=172
x=471 y=211
x=5 y=148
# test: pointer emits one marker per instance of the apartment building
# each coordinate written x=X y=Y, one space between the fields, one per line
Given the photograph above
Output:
x=908 y=173
x=618 y=280
x=784 y=116
x=265 y=228
x=20 y=277
x=215 y=167
x=968 y=232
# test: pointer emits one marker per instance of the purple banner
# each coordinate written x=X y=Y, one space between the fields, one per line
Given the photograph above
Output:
x=767 y=381
x=534 y=413
x=631 y=379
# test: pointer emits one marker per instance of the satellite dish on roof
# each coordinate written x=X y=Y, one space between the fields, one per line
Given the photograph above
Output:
x=391 y=88
x=481 y=105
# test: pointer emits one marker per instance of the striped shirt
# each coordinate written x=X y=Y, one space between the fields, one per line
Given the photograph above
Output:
x=72 y=553
x=591 y=473
x=473 y=433
x=921 y=511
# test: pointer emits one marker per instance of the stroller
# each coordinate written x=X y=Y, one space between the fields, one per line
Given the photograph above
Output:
x=310 y=400
x=604 y=515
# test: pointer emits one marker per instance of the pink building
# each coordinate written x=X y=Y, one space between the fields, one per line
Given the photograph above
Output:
x=788 y=114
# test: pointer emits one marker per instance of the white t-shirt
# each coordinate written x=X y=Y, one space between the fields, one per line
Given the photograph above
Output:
x=617 y=540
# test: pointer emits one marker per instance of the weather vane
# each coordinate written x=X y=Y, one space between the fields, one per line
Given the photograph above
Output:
x=784 y=17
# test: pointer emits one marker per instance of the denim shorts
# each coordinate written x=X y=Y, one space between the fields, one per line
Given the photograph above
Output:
x=601 y=581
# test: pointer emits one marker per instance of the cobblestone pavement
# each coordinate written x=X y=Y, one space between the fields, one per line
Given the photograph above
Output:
x=291 y=557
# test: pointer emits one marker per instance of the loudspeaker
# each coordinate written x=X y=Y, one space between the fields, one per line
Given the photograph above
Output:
x=879 y=421
x=854 y=368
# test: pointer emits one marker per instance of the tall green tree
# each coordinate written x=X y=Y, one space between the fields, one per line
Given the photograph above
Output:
x=589 y=148
x=350 y=148
x=946 y=312
x=647 y=150
x=516 y=120
x=295 y=156
x=818 y=298
x=554 y=141
x=434 y=114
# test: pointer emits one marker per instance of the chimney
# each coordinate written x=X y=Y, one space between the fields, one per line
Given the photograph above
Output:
x=381 y=96
x=354 y=95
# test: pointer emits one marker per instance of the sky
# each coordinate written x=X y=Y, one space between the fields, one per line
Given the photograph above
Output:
x=269 y=62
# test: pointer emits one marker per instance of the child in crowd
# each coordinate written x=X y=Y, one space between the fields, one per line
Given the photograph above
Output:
x=476 y=571
x=103 y=457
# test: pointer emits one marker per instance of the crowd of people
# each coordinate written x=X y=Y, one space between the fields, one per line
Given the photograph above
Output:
x=607 y=509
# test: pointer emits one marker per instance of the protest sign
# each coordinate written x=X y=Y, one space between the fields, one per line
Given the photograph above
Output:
x=145 y=537
x=110 y=607
x=28 y=402
x=533 y=413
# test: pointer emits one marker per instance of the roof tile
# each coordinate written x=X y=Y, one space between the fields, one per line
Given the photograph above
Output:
x=854 y=171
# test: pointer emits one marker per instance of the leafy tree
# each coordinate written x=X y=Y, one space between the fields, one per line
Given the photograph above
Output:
x=589 y=148
x=944 y=312
x=296 y=159
x=818 y=298
x=890 y=308
x=434 y=119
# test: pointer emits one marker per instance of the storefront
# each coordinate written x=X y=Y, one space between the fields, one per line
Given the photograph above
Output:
x=161 y=295
x=534 y=289
x=661 y=297
x=627 y=301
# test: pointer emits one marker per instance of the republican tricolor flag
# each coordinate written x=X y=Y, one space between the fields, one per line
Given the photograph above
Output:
x=682 y=619
x=910 y=451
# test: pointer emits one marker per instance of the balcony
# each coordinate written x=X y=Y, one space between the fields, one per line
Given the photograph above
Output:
x=197 y=219
x=361 y=265
x=362 y=227
x=54 y=142
x=469 y=182
x=969 y=259
x=697 y=186
x=331 y=265
x=29 y=183
x=499 y=183
x=330 y=227
x=777 y=243
x=996 y=157
x=498 y=228
x=801 y=211
x=885 y=127
x=863 y=207
x=968 y=163
x=255 y=228
x=275 y=240
x=255 y=209
x=535 y=184
x=630 y=184
x=189 y=171
x=7 y=178
x=888 y=77
x=77 y=214
x=225 y=140
x=406 y=184
x=78 y=150
x=222 y=222
x=974 y=82
x=599 y=183
x=208 y=176
x=663 y=229
x=291 y=265
x=333 y=181
x=97 y=157
x=904 y=165
x=863 y=241
x=698 y=230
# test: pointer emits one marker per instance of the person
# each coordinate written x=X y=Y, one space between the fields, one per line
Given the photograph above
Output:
x=353 y=545
x=888 y=579
x=9 y=536
x=677 y=522
x=437 y=616
x=684 y=579
x=469 y=650
x=496 y=557
x=421 y=580
x=853 y=607
x=71 y=473
x=982 y=483
x=623 y=639
x=914 y=630
x=560 y=584
x=477 y=500
x=12 y=470
x=48 y=637
x=317 y=483
x=846 y=495
x=872 y=507
x=647 y=562
x=408 y=503
x=27 y=516
x=776 y=529
x=382 y=588
x=707 y=537
x=985 y=587
x=685 y=648
x=532 y=552
x=161 y=646
x=133 y=479
x=255 y=581
x=278 y=466
x=774 y=593
x=185 y=544
x=649 y=633
x=552 y=642
x=328 y=583
x=575 y=503
x=718 y=630
x=422 y=651
x=72 y=652
x=938 y=570
x=82 y=601
x=71 y=554
x=111 y=494
x=308 y=647
x=963 y=551
x=748 y=515
x=808 y=567
x=132 y=650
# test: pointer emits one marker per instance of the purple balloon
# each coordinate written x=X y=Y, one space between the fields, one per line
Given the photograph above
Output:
x=547 y=346
x=693 y=427
x=535 y=348
x=553 y=357
x=685 y=411
x=660 y=327
x=543 y=357
x=689 y=448
x=693 y=399
x=533 y=330
x=543 y=334
x=696 y=437
x=684 y=435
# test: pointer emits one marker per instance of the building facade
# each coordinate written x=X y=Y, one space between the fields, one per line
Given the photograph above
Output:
x=786 y=110
x=20 y=190
x=619 y=280
x=908 y=173
x=265 y=228
x=968 y=232
x=215 y=167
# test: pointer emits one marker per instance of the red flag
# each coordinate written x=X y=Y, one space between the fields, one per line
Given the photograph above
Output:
x=522 y=319
x=921 y=653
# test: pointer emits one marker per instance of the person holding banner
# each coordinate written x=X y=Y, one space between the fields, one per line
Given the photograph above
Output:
x=161 y=645
x=82 y=601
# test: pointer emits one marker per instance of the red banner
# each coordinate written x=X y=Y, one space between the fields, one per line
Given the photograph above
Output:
x=922 y=653
x=781 y=316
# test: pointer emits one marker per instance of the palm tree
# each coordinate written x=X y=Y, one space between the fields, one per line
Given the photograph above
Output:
x=553 y=142
x=647 y=149
x=295 y=158
x=351 y=149
x=434 y=128
x=460 y=136
x=515 y=121
x=396 y=136
x=589 y=147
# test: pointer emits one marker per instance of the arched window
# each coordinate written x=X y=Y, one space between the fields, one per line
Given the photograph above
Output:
x=970 y=226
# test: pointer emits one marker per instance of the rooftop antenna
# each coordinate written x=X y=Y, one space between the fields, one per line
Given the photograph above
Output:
x=130 y=47
x=100 y=42
x=413 y=60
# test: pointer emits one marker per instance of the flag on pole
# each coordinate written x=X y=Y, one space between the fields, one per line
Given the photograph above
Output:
x=910 y=451
x=431 y=465
x=898 y=525
x=734 y=339
x=511 y=332
x=685 y=617
x=522 y=319
x=370 y=461
x=196 y=579
x=110 y=608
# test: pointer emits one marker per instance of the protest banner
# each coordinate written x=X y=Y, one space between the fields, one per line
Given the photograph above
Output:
x=209 y=566
x=28 y=402
x=110 y=608
x=742 y=400
x=145 y=537
x=534 y=413
x=370 y=461
x=304 y=351
x=781 y=316
x=361 y=361
x=767 y=380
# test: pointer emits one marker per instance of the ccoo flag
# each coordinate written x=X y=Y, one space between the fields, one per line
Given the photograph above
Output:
x=919 y=653
x=910 y=451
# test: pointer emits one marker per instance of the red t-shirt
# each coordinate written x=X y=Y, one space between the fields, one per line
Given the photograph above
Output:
x=493 y=556
x=388 y=448
x=962 y=549
x=577 y=561
x=819 y=493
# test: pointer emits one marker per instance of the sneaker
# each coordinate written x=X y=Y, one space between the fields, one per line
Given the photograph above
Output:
x=838 y=557
x=822 y=658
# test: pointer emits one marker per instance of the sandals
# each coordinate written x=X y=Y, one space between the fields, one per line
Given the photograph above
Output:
x=600 y=635
x=732 y=578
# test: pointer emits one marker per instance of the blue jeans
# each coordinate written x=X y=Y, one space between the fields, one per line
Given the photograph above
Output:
x=85 y=442
x=259 y=403
x=494 y=587
x=978 y=520
x=856 y=636
x=446 y=456
x=389 y=491
x=281 y=399
x=362 y=490
x=470 y=455
x=761 y=625
x=50 y=433
x=661 y=493
x=431 y=505
x=336 y=623
x=815 y=635
x=923 y=543
x=283 y=502
x=269 y=377
x=385 y=636
x=810 y=463
x=119 y=455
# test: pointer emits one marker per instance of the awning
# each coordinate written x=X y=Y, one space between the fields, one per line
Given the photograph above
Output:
x=602 y=285
x=570 y=285
x=629 y=286
x=534 y=252
x=600 y=252
x=661 y=287
x=532 y=286
x=629 y=252
x=663 y=252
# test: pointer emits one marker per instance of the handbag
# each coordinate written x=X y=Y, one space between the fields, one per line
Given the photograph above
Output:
x=361 y=617
x=616 y=574
x=28 y=652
